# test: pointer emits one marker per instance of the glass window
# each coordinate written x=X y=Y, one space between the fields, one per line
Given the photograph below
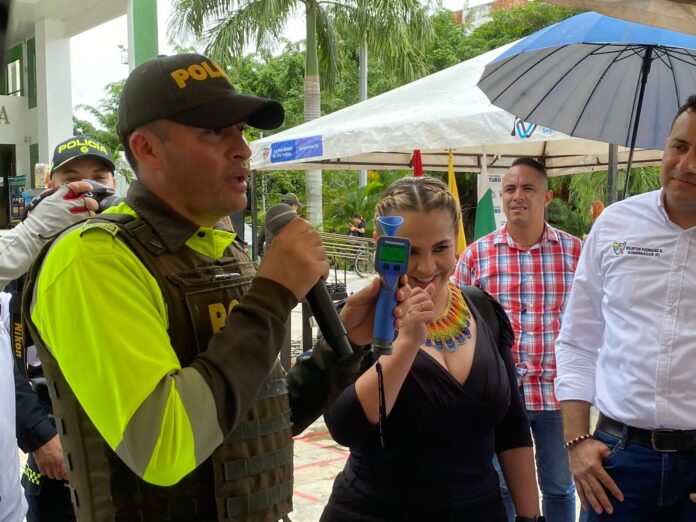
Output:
x=14 y=78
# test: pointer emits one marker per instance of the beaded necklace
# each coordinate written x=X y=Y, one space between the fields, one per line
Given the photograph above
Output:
x=453 y=327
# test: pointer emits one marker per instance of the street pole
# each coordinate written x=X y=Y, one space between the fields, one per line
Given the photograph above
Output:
x=612 y=173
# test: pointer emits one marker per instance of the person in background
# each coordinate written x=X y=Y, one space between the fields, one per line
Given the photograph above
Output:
x=44 y=479
x=596 y=209
x=528 y=266
x=628 y=345
x=357 y=226
x=18 y=248
x=289 y=198
x=450 y=393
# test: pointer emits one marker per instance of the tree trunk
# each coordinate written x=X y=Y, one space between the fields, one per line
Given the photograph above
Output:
x=312 y=110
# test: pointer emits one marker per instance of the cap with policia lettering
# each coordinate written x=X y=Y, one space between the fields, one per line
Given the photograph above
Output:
x=192 y=90
x=80 y=147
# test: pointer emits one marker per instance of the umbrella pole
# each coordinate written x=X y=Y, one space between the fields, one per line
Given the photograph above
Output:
x=644 y=72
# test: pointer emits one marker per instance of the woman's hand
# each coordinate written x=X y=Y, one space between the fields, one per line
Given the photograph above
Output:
x=358 y=314
x=420 y=310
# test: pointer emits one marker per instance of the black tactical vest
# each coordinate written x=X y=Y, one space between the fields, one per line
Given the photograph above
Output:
x=249 y=477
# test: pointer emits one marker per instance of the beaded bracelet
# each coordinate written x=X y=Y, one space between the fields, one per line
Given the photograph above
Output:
x=572 y=442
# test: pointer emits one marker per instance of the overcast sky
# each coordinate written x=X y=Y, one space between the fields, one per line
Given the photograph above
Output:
x=96 y=57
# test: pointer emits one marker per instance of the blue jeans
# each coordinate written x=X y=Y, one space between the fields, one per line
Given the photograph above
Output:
x=655 y=485
x=553 y=471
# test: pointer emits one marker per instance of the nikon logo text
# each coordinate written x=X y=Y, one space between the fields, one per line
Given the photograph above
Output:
x=197 y=71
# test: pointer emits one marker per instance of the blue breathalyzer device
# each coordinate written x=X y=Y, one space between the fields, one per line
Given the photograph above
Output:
x=391 y=262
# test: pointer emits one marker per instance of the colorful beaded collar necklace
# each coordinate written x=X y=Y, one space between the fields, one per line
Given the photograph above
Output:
x=453 y=327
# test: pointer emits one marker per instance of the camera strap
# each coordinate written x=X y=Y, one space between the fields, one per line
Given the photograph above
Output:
x=18 y=333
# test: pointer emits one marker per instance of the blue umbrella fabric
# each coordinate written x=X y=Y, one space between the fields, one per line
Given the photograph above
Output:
x=597 y=77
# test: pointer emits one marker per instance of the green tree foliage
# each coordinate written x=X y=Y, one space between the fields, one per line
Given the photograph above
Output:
x=393 y=28
x=508 y=25
x=585 y=188
x=105 y=114
x=343 y=198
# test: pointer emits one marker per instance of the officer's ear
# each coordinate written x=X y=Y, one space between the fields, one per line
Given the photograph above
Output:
x=146 y=146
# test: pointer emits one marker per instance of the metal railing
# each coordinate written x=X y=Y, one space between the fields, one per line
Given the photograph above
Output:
x=352 y=253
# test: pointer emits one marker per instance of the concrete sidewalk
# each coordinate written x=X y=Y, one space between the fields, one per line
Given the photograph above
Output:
x=318 y=459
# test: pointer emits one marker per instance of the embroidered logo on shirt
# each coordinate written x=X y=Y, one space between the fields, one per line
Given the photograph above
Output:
x=620 y=249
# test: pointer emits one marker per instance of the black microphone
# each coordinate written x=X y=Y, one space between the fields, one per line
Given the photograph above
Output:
x=318 y=297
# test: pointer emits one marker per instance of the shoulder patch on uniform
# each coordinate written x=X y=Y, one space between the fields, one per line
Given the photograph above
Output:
x=110 y=228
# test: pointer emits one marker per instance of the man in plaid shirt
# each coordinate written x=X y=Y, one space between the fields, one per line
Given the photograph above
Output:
x=528 y=266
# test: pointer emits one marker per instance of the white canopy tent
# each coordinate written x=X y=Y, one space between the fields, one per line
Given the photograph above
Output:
x=444 y=111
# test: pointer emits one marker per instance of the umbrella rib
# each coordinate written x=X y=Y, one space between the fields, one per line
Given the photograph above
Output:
x=521 y=74
x=692 y=62
x=550 y=90
x=633 y=111
x=632 y=51
x=661 y=56
x=674 y=78
x=632 y=48
x=596 y=86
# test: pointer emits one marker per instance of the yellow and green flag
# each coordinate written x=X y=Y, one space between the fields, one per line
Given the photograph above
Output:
x=452 y=182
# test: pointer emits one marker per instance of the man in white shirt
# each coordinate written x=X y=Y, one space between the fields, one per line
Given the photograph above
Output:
x=628 y=345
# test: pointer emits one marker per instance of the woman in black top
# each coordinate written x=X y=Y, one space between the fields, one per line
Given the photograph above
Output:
x=448 y=389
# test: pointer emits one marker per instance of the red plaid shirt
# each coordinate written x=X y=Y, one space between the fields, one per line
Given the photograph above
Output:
x=532 y=284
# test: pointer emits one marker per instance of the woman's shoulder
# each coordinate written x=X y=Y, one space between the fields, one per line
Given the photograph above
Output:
x=489 y=309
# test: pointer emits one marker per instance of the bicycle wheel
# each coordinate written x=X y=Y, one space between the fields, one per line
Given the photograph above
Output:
x=364 y=264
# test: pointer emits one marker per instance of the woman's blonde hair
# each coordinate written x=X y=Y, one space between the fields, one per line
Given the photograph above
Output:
x=422 y=194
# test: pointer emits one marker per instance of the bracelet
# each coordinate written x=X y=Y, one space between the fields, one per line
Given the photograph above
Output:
x=572 y=442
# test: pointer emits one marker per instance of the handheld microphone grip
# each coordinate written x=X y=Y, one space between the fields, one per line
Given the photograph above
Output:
x=321 y=304
x=318 y=297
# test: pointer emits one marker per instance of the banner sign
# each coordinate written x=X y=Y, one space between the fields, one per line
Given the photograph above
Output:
x=310 y=147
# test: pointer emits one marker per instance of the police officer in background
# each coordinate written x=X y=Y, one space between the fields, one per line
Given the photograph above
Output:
x=290 y=199
x=44 y=478
x=172 y=401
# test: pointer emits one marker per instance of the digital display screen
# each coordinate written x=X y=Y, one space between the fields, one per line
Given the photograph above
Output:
x=393 y=254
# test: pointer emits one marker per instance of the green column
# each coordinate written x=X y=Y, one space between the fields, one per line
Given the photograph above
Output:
x=31 y=73
x=144 y=30
x=33 y=160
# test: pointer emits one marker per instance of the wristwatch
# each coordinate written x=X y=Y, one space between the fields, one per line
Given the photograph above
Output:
x=537 y=518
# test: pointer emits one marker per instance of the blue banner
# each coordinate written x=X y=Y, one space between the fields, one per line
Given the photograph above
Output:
x=311 y=147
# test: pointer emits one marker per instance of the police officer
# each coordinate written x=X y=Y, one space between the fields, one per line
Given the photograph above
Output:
x=44 y=478
x=290 y=199
x=164 y=369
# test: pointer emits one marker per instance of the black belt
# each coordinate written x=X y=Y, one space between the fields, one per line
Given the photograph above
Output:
x=659 y=440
